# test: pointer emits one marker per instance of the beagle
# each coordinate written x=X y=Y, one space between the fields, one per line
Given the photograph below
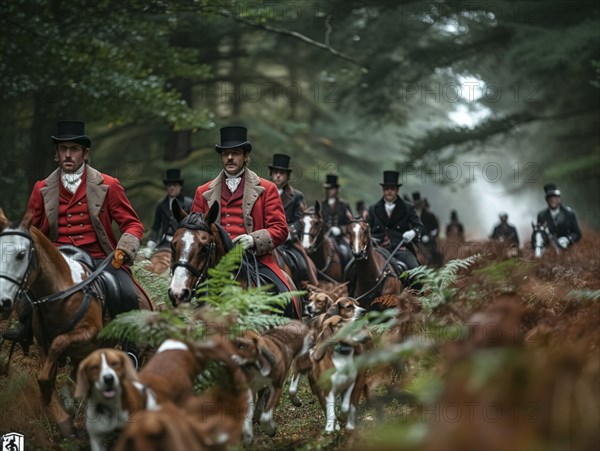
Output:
x=109 y=381
x=266 y=359
x=346 y=382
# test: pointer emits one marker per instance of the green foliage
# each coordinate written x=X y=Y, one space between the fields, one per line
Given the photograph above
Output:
x=255 y=307
x=436 y=283
x=252 y=308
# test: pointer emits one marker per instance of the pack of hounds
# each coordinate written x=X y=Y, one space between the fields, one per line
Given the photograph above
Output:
x=157 y=408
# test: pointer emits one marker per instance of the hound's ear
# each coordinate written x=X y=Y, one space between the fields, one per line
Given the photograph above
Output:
x=365 y=215
x=332 y=311
x=178 y=212
x=27 y=219
x=83 y=384
x=320 y=350
x=130 y=372
x=317 y=207
x=266 y=360
x=213 y=213
x=4 y=222
x=533 y=225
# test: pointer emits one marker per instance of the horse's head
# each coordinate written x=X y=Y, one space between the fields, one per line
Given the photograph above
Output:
x=193 y=251
x=16 y=260
x=360 y=236
x=540 y=238
x=312 y=227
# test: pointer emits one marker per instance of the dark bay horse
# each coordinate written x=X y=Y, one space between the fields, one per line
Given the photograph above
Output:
x=320 y=248
x=198 y=244
x=372 y=276
x=31 y=265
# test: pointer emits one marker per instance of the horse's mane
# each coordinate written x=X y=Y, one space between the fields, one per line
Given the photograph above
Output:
x=195 y=221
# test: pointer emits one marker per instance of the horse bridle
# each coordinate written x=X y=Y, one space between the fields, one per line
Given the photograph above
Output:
x=314 y=236
x=23 y=282
x=200 y=274
x=363 y=251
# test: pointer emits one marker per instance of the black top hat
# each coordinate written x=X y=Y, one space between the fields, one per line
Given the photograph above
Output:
x=173 y=176
x=232 y=137
x=71 y=131
x=390 y=178
x=331 y=181
x=416 y=197
x=281 y=162
x=551 y=190
x=503 y=215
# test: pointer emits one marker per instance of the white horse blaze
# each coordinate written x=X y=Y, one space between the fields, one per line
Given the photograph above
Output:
x=306 y=232
x=181 y=275
x=356 y=231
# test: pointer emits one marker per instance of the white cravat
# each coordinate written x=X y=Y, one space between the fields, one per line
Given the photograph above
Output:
x=554 y=213
x=71 y=181
x=233 y=181
x=280 y=192
x=389 y=207
x=331 y=201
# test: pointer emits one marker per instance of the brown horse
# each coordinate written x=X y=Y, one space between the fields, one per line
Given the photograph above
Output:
x=372 y=276
x=198 y=244
x=320 y=248
x=32 y=266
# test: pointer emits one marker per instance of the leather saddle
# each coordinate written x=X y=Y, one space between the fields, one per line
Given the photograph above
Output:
x=295 y=260
x=107 y=286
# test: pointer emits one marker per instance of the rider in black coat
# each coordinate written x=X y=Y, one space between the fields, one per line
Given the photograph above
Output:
x=164 y=225
x=293 y=205
x=335 y=212
x=561 y=221
x=505 y=232
x=392 y=220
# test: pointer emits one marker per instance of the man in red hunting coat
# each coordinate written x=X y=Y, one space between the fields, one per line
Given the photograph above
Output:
x=76 y=205
x=250 y=211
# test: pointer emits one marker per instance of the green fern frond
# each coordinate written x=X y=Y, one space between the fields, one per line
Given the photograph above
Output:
x=435 y=284
x=254 y=308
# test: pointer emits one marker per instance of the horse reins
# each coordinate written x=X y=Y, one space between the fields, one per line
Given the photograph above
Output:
x=384 y=273
x=200 y=274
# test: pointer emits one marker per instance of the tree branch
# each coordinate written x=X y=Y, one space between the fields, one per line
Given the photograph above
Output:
x=293 y=34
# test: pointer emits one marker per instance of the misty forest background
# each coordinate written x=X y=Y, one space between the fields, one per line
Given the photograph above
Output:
x=478 y=103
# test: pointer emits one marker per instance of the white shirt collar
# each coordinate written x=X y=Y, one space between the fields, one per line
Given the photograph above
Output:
x=71 y=181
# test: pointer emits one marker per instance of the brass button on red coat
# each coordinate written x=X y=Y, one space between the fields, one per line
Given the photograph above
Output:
x=68 y=225
x=79 y=203
x=69 y=215
x=80 y=214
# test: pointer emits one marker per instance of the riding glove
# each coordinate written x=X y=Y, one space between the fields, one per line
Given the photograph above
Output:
x=245 y=240
x=563 y=242
x=335 y=231
x=409 y=235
